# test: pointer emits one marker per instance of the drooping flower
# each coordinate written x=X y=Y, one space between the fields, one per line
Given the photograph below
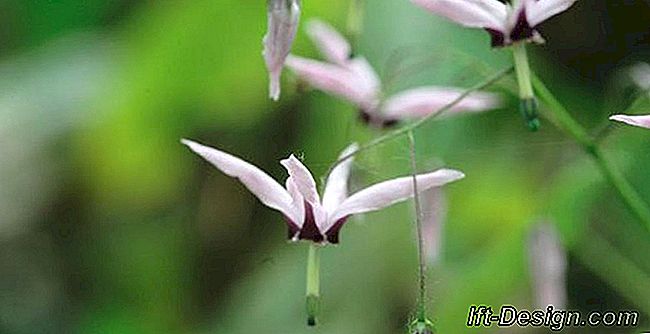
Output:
x=308 y=216
x=283 y=18
x=547 y=259
x=506 y=23
x=353 y=79
x=640 y=121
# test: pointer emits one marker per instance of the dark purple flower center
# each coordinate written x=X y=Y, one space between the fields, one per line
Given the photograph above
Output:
x=521 y=31
x=310 y=231
x=369 y=119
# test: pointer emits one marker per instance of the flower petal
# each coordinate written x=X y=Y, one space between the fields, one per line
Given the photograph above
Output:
x=306 y=186
x=298 y=201
x=541 y=10
x=490 y=14
x=387 y=193
x=434 y=212
x=264 y=187
x=548 y=262
x=640 y=121
x=640 y=74
x=345 y=82
x=334 y=47
x=422 y=101
x=336 y=188
x=283 y=17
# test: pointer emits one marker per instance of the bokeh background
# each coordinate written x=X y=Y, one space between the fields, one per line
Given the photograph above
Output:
x=109 y=225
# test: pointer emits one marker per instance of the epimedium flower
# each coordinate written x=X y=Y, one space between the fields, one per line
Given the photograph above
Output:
x=283 y=18
x=642 y=121
x=506 y=23
x=354 y=80
x=308 y=216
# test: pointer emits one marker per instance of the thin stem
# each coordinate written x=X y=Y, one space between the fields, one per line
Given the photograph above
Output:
x=418 y=220
x=527 y=102
x=405 y=129
x=355 y=20
x=313 y=284
x=563 y=119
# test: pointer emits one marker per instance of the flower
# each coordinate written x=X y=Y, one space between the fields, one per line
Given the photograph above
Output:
x=353 y=79
x=308 y=216
x=547 y=266
x=283 y=18
x=434 y=212
x=640 y=121
x=505 y=23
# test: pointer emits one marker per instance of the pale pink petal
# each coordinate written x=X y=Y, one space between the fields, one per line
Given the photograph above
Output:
x=640 y=121
x=386 y=193
x=547 y=259
x=302 y=178
x=334 y=47
x=264 y=187
x=434 y=212
x=283 y=17
x=541 y=10
x=298 y=201
x=333 y=79
x=336 y=188
x=422 y=101
x=367 y=81
x=490 y=14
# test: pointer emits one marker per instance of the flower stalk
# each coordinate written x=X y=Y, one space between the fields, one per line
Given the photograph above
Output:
x=355 y=19
x=563 y=119
x=313 y=284
x=527 y=101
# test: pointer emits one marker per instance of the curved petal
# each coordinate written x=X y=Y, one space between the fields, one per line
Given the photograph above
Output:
x=298 y=201
x=264 y=187
x=490 y=14
x=302 y=178
x=334 y=47
x=640 y=121
x=337 y=80
x=540 y=11
x=387 y=193
x=283 y=17
x=336 y=188
x=422 y=101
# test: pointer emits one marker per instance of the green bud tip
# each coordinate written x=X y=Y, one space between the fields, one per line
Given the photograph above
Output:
x=528 y=108
x=312 y=309
x=421 y=327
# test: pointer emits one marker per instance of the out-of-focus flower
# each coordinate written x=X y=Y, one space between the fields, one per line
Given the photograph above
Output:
x=283 y=18
x=506 y=23
x=640 y=74
x=434 y=212
x=640 y=121
x=308 y=216
x=354 y=79
x=547 y=266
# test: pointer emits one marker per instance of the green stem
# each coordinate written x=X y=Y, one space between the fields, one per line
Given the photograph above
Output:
x=421 y=315
x=561 y=117
x=405 y=129
x=527 y=101
x=313 y=284
x=355 y=20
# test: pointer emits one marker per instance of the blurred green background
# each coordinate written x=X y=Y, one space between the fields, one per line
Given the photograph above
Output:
x=109 y=225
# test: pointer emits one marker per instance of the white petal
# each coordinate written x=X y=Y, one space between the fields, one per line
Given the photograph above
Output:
x=283 y=17
x=302 y=178
x=336 y=188
x=269 y=191
x=298 y=201
x=640 y=121
x=547 y=266
x=367 y=80
x=541 y=10
x=334 y=47
x=422 y=101
x=470 y=13
x=333 y=79
x=386 y=193
x=434 y=212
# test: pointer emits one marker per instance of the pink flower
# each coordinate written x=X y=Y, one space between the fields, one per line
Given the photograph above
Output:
x=308 y=216
x=505 y=23
x=640 y=121
x=354 y=80
x=283 y=18
x=547 y=266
